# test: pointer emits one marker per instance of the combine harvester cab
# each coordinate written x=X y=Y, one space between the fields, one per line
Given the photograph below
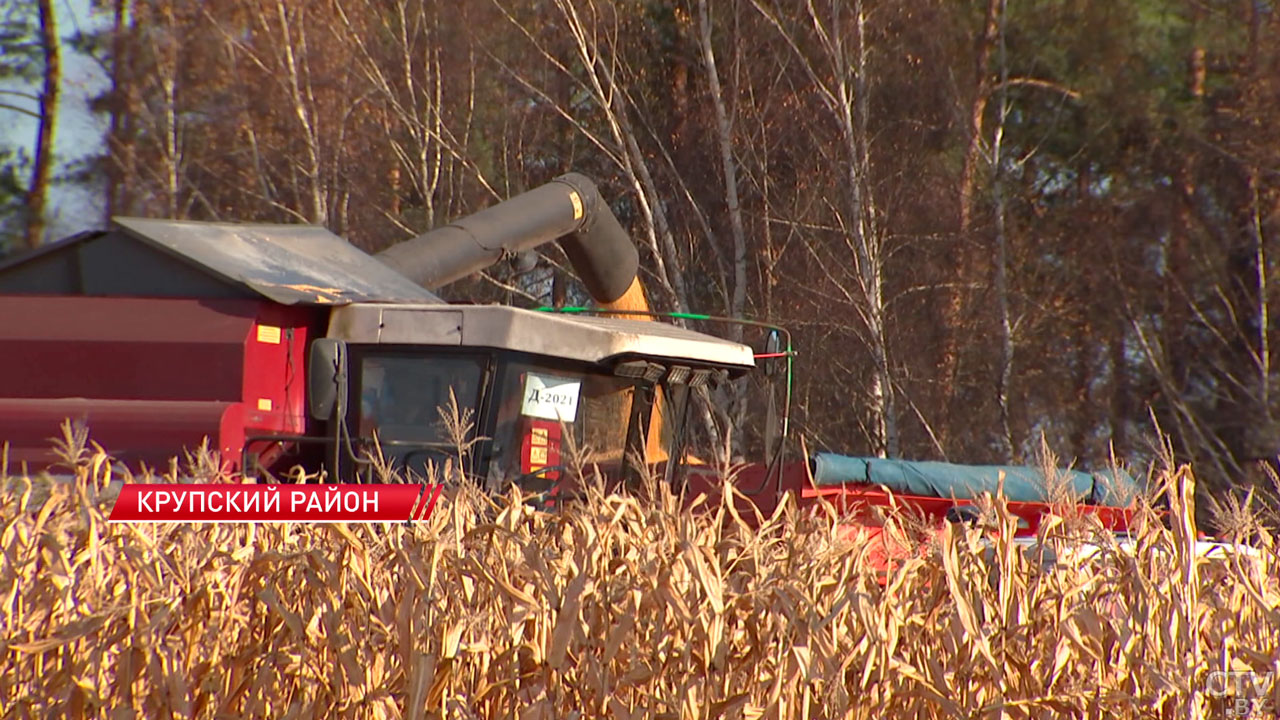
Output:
x=287 y=347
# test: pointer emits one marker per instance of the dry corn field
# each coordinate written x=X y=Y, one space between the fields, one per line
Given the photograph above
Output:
x=613 y=608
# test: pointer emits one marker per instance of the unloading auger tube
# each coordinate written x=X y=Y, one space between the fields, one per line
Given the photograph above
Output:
x=568 y=209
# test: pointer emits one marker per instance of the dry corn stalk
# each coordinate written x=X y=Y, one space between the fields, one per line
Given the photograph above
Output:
x=614 y=607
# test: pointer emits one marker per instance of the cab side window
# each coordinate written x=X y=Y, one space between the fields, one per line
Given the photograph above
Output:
x=401 y=397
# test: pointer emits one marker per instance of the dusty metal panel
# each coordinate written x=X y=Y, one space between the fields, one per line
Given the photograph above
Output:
x=364 y=323
x=589 y=339
x=442 y=327
x=290 y=264
x=596 y=339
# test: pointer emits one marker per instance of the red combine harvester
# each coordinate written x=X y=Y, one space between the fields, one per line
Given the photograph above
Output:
x=286 y=346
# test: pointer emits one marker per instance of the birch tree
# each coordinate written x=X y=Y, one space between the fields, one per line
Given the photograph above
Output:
x=42 y=169
x=32 y=57
x=728 y=166
x=834 y=54
x=1004 y=326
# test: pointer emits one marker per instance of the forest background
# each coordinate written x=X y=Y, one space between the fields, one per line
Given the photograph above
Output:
x=989 y=223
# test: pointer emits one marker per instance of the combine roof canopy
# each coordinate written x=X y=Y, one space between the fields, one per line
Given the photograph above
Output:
x=289 y=264
x=590 y=339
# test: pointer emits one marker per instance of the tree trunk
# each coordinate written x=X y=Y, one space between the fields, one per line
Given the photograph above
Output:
x=38 y=193
x=724 y=134
x=1005 y=377
x=977 y=110
x=120 y=149
x=868 y=242
x=1121 y=407
x=297 y=73
x=961 y=255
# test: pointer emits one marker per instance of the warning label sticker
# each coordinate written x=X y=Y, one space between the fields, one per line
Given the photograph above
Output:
x=269 y=334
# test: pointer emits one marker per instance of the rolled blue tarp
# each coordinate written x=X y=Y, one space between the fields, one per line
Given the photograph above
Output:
x=947 y=480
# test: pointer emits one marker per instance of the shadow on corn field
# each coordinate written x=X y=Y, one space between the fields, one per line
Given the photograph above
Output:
x=615 y=606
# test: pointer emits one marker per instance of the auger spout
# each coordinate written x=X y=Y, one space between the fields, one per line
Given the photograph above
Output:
x=568 y=209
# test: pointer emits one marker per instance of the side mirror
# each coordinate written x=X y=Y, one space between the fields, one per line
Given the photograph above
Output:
x=772 y=347
x=327 y=378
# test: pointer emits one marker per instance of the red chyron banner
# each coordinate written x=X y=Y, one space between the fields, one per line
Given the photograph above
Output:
x=274 y=503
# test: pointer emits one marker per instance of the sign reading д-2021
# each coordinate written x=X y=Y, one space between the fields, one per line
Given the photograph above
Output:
x=550 y=398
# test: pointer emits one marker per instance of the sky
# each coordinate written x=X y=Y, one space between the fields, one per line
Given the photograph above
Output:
x=79 y=133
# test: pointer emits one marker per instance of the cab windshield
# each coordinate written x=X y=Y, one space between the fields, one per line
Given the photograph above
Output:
x=548 y=420
x=403 y=396
x=532 y=420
